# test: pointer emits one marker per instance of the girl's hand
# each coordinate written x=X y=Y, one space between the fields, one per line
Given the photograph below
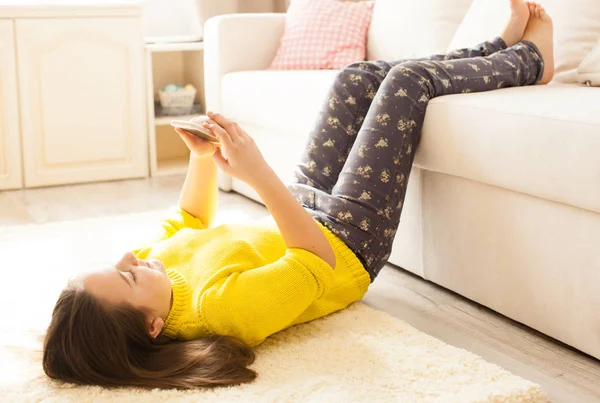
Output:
x=238 y=155
x=197 y=146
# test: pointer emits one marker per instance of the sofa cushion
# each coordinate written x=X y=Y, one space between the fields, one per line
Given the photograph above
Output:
x=576 y=31
x=285 y=102
x=323 y=34
x=403 y=29
x=589 y=69
x=539 y=140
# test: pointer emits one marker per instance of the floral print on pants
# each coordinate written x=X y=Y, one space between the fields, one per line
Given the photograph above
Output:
x=353 y=173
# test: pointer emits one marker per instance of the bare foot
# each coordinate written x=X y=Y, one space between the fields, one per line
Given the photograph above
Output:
x=519 y=15
x=539 y=31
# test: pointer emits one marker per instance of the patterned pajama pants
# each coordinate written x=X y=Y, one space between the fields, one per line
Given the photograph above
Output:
x=353 y=173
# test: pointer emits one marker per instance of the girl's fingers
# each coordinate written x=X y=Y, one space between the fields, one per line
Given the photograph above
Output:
x=200 y=119
x=243 y=134
x=207 y=124
x=185 y=136
x=222 y=134
x=181 y=131
x=239 y=130
x=226 y=124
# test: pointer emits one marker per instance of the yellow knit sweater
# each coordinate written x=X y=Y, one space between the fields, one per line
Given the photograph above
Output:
x=240 y=280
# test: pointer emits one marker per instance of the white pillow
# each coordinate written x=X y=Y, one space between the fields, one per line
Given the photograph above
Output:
x=576 y=30
x=589 y=69
x=403 y=29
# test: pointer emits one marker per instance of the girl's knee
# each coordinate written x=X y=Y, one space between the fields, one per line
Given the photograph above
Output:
x=359 y=71
x=414 y=69
x=421 y=73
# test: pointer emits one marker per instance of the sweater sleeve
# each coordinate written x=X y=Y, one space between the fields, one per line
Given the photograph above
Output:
x=256 y=303
x=175 y=219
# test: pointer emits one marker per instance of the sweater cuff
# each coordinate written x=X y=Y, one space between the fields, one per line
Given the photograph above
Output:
x=185 y=219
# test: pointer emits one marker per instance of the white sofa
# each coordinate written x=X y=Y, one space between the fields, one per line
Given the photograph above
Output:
x=503 y=203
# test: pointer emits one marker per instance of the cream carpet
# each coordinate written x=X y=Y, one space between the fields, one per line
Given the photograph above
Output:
x=357 y=355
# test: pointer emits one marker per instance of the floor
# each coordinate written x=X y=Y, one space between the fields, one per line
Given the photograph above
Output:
x=565 y=374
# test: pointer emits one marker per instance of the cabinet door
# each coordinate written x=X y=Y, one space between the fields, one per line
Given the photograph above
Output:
x=10 y=143
x=82 y=100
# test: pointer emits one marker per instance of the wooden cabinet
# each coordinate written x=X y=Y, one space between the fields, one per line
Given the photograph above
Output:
x=10 y=144
x=82 y=104
x=171 y=63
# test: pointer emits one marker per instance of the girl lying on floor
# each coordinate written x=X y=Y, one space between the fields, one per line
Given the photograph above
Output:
x=185 y=310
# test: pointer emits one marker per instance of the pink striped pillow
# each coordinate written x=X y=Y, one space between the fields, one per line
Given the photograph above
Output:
x=323 y=34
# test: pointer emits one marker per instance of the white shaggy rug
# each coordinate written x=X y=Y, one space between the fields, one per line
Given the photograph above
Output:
x=357 y=355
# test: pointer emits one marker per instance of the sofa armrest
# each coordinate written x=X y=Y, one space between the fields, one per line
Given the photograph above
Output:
x=238 y=42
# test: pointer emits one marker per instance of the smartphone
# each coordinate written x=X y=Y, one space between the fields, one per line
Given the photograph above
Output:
x=196 y=130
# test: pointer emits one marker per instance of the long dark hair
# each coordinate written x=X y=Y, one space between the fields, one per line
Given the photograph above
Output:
x=91 y=343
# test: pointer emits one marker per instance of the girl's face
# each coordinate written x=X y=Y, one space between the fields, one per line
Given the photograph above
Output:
x=143 y=284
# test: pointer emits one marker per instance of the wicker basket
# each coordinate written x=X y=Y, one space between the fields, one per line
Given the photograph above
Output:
x=178 y=102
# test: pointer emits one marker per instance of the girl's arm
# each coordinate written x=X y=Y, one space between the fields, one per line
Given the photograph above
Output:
x=297 y=226
x=200 y=194
x=245 y=162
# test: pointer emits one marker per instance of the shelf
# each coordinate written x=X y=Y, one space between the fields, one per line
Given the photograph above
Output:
x=165 y=120
x=174 y=47
x=171 y=63
x=172 y=166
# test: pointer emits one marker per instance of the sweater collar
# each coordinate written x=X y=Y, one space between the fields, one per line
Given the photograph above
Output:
x=181 y=301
